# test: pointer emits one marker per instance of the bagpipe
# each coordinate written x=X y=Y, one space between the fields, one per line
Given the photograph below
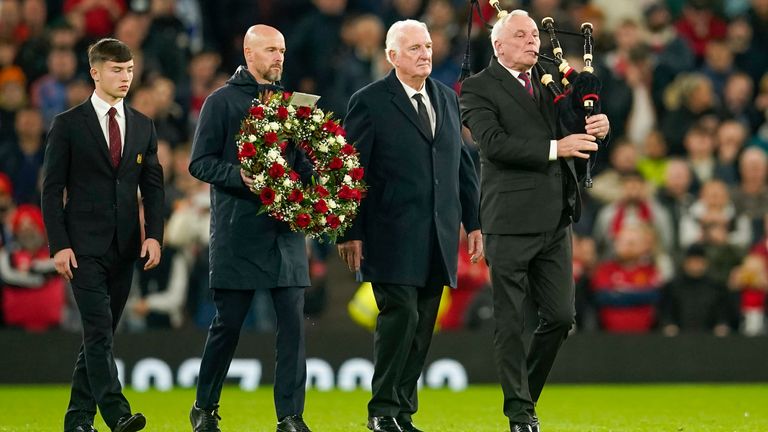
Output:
x=579 y=96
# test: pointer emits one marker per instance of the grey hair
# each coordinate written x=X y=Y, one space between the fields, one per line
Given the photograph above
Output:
x=395 y=31
x=499 y=26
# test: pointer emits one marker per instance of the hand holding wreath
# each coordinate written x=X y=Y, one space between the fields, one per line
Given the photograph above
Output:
x=330 y=203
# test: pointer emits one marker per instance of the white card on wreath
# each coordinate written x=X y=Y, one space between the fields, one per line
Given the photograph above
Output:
x=304 y=99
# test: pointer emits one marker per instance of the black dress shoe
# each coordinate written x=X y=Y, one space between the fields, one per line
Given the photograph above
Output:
x=407 y=426
x=535 y=424
x=383 y=424
x=292 y=423
x=85 y=428
x=131 y=423
x=204 y=420
x=519 y=427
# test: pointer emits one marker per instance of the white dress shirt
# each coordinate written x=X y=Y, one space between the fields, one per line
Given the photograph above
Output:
x=516 y=74
x=425 y=98
x=102 y=107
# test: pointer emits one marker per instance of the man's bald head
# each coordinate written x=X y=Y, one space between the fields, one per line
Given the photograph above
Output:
x=264 y=51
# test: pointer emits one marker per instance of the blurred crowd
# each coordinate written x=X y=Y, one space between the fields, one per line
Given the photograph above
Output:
x=673 y=237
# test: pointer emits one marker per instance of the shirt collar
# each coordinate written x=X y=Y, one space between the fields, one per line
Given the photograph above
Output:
x=410 y=91
x=515 y=73
x=101 y=106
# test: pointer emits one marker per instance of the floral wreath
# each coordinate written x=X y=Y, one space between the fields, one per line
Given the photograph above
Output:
x=327 y=206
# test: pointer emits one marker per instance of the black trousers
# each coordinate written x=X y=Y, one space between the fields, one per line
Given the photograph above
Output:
x=224 y=333
x=404 y=328
x=539 y=265
x=100 y=286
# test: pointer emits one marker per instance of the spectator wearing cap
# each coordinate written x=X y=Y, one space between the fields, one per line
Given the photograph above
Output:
x=693 y=301
x=32 y=293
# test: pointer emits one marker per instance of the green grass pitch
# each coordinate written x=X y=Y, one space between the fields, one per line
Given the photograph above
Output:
x=569 y=408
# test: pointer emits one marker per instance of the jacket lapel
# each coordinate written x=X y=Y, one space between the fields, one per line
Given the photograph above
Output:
x=400 y=99
x=128 y=146
x=93 y=126
x=510 y=84
x=438 y=103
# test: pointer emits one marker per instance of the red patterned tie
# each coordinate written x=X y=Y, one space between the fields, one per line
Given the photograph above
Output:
x=115 y=142
x=527 y=80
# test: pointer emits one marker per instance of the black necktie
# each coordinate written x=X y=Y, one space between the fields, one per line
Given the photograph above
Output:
x=423 y=116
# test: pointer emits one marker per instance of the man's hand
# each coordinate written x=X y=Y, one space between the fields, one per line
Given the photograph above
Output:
x=63 y=260
x=598 y=125
x=574 y=145
x=151 y=247
x=351 y=252
x=475 y=246
x=247 y=179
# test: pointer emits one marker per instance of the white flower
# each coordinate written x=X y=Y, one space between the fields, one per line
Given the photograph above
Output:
x=348 y=179
x=278 y=198
x=280 y=160
x=252 y=138
x=287 y=125
x=331 y=204
x=274 y=126
x=351 y=163
x=317 y=118
x=323 y=148
x=273 y=154
x=267 y=128
x=341 y=218
x=291 y=109
x=321 y=221
x=287 y=182
x=259 y=179
x=312 y=127
x=340 y=139
x=323 y=180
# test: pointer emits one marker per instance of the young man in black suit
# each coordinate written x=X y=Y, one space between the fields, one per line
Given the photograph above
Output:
x=249 y=250
x=530 y=196
x=405 y=240
x=98 y=156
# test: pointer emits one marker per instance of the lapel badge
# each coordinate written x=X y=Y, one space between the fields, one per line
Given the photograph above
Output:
x=139 y=159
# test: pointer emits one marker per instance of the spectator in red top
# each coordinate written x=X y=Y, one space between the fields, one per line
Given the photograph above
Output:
x=98 y=16
x=32 y=292
x=751 y=279
x=699 y=25
x=627 y=288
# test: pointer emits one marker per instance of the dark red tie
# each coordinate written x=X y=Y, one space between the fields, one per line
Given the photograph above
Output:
x=527 y=80
x=115 y=142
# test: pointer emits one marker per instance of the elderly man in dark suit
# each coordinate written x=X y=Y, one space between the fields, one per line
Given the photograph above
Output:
x=98 y=155
x=406 y=238
x=530 y=195
x=249 y=250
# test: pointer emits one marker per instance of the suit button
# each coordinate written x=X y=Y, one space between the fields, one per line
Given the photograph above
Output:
x=437 y=181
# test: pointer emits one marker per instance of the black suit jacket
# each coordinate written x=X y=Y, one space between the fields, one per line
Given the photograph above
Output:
x=523 y=192
x=415 y=182
x=100 y=203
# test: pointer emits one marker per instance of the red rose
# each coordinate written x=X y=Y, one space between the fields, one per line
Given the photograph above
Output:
x=246 y=151
x=340 y=131
x=336 y=163
x=357 y=195
x=282 y=112
x=303 y=220
x=295 y=196
x=293 y=175
x=287 y=96
x=333 y=221
x=321 y=207
x=267 y=196
x=345 y=193
x=356 y=173
x=348 y=150
x=270 y=137
x=330 y=126
x=257 y=111
x=304 y=112
x=276 y=170
x=321 y=191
